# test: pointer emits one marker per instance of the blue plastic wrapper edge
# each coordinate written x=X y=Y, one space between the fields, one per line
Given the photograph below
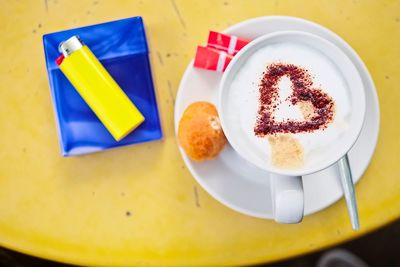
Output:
x=121 y=47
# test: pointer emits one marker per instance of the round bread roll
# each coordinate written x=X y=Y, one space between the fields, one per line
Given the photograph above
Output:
x=200 y=133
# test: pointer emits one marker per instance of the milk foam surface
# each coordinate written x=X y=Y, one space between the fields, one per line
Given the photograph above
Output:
x=244 y=99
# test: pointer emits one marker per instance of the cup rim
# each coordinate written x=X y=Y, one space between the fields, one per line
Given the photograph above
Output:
x=351 y=135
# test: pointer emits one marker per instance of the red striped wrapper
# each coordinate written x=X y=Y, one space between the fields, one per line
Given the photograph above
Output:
x=211 y=59
x=229 y=43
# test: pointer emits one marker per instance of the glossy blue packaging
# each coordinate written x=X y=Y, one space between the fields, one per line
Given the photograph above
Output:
x=121 y=47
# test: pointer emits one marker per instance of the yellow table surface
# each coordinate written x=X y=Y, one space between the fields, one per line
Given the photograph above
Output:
x=75 y=209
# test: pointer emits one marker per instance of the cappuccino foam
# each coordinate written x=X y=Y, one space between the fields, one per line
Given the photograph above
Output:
x=244 y=100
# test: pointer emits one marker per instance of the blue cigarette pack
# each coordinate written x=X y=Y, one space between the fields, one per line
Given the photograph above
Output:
x=121 y=47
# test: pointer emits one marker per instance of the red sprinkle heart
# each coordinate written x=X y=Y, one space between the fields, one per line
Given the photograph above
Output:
x=303 y=91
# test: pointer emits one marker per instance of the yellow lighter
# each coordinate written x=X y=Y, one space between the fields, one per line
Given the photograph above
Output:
x=99 y=90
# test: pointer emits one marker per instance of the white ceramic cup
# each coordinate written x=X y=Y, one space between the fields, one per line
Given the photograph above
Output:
x=286 y=185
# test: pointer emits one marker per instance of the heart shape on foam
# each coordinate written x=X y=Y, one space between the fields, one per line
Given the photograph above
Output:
x=318 y=108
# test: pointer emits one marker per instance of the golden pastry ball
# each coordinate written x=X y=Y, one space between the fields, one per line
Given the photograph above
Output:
x=200 y=133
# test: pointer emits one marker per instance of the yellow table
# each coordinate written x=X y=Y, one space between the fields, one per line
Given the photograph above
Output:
x=139 y=205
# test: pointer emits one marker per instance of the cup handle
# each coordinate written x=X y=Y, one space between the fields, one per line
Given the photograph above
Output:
x=287 y=198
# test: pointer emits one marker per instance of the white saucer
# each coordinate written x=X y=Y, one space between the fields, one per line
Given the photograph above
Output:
x=232 y=180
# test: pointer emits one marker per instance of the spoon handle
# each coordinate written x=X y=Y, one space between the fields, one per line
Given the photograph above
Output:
x=349 y=192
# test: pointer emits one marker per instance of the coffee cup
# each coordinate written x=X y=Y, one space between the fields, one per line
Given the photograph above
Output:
x=328 y=71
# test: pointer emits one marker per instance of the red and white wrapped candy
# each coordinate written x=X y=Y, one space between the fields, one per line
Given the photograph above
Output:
x=219 y=51
x=211 y=59
x=229 y=43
